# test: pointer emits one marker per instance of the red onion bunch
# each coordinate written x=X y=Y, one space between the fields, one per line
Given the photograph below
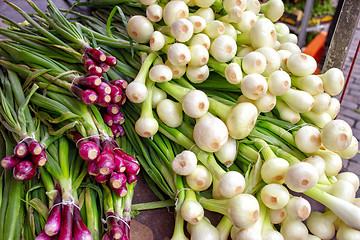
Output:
x=28 y=154
x=92 y=88
x=112 y=115
x=107 y=162
x=64 y=219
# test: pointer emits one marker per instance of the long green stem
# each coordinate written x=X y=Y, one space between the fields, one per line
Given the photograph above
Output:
x=220 y=109
x=176 y=92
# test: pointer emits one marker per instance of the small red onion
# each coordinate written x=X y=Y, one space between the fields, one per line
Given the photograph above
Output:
x=116 y=94
x=105 y=68
x=92 y=170
x=118 y=119
x=21 y=150
x=131 y=178
x=24 y=171
x=103 y=88
x=95 y=70
x=117 y=180
x=89 y=63
x=116 y=232
x=119 y=164
x=101 y=178
x=120 y=83
x=88 y=150
x=113 y=109
x=39 y=160
x=9 y=161
x=105 y=163
x=43 y=236
x=108 y=119
x=111 y=61
x=92 y=81
x=104 y=100
x=121 y=192
x=34 y=147
x=97 y=55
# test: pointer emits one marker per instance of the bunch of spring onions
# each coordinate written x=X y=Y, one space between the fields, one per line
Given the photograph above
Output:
x=83 y=77
x=284 y=113
x=29 y=152
x=11 y=193
x=62 y=178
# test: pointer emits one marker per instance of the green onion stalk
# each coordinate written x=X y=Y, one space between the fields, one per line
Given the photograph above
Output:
x=70 y=61
x=12 y=192
x=161 y=176
x=94 y=139
x=29 y=152
x=62 y=178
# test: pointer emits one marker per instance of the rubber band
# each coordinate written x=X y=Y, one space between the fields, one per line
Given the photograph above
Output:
x=84 y=138
x=301 y=125
x=63 y=202
x=118 y=218
x=178 y=192
x=260 y=150
x=63 y=74
x=192 y=147
x=85 y=53
x=28 y=137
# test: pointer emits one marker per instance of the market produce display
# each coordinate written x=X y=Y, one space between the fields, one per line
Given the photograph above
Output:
x=212 y=100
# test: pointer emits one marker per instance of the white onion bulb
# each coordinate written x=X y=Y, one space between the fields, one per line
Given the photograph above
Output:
x=184 y=163
x=210 y=133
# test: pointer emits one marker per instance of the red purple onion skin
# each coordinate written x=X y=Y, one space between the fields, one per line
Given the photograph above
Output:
x=121 y=192
x=131 y=167
x=118 y=118
x=67 y=219
x=119 y=164
x=107 y=237
x=105 y=67
x=92 y=81
x=126 y=156
x=21 y=150
x=89 y=63
x=9 y=161
x=105 y=163
x=39 y=160
x=43 y=236
x=101 y=178
x=121 y=130
x=131 y=178
x=116 y=94
x=116 y=232
x=80 y=230
x=103 y=100
x=116 y=180
x=24 y=171
x=34 y=147
x=115 y=131
x=120 y=83
x=123 y=99
x=97 y=55
x=95 y=70
x=108 y=119
x=88 y=96
x=88 y=150
x=113 y=109
x=92 y=169
x=111 y=61
x=103 y=88
x=53 y=224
